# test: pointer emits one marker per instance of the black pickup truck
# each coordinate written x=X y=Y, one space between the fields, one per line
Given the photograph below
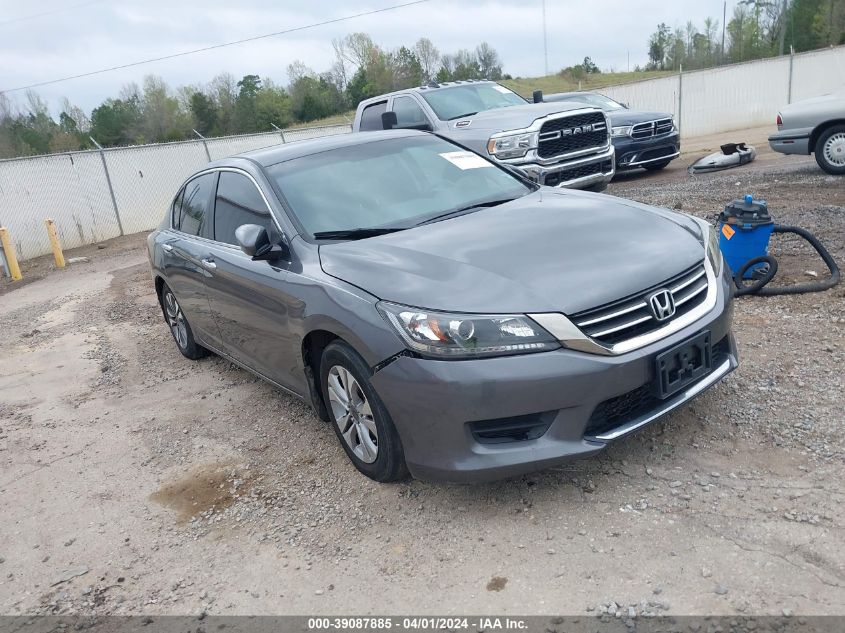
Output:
x=642 y=139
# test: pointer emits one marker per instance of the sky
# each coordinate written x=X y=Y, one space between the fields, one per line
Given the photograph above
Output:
x=42 y=40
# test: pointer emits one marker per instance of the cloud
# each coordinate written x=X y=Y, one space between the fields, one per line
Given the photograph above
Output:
x=106 y=34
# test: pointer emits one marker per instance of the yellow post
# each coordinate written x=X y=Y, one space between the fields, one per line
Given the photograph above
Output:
x=11 y=256
x=54 y=242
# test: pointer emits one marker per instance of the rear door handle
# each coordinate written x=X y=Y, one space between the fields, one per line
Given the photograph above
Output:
x=166 y=248
x=208 y=263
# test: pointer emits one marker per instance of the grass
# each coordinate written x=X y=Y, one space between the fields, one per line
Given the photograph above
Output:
x=335 y=119
x=557 y=83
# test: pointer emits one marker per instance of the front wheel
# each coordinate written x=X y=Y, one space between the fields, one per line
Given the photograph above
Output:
x=360 y=419
x=830 y=150
x=656 y=166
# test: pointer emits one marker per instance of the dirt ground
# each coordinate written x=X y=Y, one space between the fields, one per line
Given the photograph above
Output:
x=135 y=481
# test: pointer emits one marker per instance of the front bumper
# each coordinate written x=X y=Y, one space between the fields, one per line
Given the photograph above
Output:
x=433 y=402
x=790 y=142
x=631 y=153
x=577 y=173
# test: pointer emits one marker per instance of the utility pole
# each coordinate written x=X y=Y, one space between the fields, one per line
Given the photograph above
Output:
x=545 y=43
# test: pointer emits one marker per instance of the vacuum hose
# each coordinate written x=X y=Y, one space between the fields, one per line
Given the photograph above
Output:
x=757 y=288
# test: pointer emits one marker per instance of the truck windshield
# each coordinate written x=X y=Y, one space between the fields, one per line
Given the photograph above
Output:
x=389 y=184
x=466 y=99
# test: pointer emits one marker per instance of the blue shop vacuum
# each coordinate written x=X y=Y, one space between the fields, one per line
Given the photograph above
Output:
x=745 y=228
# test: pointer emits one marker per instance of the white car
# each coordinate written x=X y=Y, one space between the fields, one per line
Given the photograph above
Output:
x=817 y=126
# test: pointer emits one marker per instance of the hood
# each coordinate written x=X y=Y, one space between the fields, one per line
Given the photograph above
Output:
x=551 y=251
x=632 y=117
x=815 y=104
x=512 y=117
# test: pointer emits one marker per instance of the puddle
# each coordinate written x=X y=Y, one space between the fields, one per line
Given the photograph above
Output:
x=215 y=485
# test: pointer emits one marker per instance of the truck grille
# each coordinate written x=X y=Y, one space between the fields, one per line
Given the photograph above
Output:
x=652 y=128
x=572 y=133
x=624 y=319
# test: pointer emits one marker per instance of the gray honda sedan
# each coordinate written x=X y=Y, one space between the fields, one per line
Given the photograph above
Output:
x=445 y=315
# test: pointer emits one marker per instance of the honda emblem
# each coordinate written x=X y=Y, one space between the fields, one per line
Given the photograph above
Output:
x=662 y=304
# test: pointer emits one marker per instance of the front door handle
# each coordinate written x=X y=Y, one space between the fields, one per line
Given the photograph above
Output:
x=208 y=263
x=166 y=248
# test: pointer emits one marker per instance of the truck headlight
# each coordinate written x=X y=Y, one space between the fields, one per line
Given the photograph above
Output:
x=622 y=130
x=446 y=335
x=511 y=145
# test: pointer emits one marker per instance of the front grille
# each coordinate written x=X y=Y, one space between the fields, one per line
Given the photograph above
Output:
x=566 y=175
x=572 y=133
x=638 y=402
x=515 y=429
x=632 y=316
x=652 y=128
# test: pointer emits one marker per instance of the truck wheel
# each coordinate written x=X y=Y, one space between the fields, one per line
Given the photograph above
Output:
x=830 y=150
x=656 y=166
x=597 y=188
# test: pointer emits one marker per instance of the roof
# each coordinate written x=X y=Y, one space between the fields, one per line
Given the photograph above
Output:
x=297 y=149
x=430 y=87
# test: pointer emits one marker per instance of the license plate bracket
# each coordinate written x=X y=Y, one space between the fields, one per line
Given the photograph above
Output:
x=683 y=364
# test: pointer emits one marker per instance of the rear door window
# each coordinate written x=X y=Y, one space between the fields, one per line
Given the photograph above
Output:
x=371 y=116
x=194 y=216
x=238 y=202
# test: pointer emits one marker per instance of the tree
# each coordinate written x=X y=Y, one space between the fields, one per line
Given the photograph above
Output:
x=657 y=45
x=205 y=114
x=246 y=119
x=405 y=68
x=489 y=64
x=428 y=56
x=113 y=122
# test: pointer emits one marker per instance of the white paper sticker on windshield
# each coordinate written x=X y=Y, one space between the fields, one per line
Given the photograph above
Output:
x=466 y=160
x=502 y=89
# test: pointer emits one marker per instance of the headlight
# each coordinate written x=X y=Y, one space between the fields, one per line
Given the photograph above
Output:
x=622 y=130
x=714 y=251
x=512 y=146
x=466 y=335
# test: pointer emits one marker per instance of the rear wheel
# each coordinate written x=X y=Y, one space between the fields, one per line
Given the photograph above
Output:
x=359 y=418
x=179 y=326
x=656 y=166
x=830 y=150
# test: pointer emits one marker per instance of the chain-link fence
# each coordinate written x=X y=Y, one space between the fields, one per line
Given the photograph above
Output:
x=100 y=194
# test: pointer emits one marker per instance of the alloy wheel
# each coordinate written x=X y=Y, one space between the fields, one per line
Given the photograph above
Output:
x=834 y=150
x=352 y=414
x=176 y=320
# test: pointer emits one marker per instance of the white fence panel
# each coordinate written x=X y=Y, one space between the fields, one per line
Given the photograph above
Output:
x=660 y=95
x=818 y=73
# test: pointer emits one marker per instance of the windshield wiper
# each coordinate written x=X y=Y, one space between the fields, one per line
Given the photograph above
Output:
x=356 y=234
x=466 y=209
x=461 y=116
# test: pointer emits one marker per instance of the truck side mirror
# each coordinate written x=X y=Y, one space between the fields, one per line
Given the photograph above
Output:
x=389 y=120
x=538 y=96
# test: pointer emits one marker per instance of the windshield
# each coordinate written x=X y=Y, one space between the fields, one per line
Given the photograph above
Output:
x=465 y=99
x=389 y=183
x=594 y=99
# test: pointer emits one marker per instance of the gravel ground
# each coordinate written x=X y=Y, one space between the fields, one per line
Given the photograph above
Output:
x=135 y=481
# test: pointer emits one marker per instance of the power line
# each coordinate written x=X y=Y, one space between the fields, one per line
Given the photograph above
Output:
x=215 y=46
x=46 y=13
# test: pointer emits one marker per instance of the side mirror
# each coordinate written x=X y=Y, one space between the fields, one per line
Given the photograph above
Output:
x=389 y=120
x=255 y=242
x=538 y=96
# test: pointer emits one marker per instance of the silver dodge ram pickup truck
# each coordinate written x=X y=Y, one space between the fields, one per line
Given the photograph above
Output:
x=554 y=144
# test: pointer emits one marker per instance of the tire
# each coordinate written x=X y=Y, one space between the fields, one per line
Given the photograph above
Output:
x=656 y=166
x=598 y=188
x=366 y=431
x=830 y=150
x=180 y=329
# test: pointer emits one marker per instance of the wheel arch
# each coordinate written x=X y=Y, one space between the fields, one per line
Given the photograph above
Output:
x=820 y=129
